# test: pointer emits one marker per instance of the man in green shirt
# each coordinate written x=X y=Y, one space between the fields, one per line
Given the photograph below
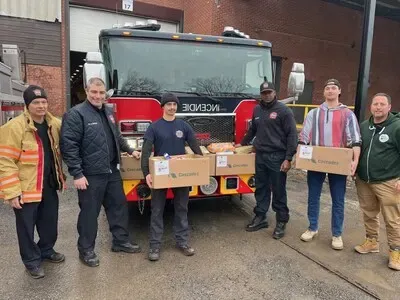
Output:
x=378 y=178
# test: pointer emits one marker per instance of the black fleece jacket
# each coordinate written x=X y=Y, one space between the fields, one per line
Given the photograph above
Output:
x=274 y=128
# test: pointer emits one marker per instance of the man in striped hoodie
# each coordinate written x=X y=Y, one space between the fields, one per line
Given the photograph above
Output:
x=332 y=124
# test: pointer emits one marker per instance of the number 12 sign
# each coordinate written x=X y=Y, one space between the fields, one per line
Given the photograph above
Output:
x=127 y=5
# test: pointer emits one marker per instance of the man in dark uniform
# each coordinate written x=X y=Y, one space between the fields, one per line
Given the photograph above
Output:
x=274 y=128
x=90 y=145
x=168 y=135
x=30 y=175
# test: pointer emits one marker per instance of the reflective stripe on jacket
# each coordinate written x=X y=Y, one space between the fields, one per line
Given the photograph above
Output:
x=22 y=158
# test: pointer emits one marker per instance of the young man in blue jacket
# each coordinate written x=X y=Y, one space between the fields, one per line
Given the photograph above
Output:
x=168 y=135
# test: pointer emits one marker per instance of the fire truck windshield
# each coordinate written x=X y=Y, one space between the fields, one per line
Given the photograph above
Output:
x=151 y=65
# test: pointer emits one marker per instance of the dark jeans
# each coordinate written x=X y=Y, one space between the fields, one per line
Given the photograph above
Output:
x=337 y=185
x=43 y=215
x=269 y=179
x=106 y=190
x=181 y=224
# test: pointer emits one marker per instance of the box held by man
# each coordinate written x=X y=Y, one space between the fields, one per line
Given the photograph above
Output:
x=324 y=159
x=130 y=168
x=235 y=164
x=179 y=171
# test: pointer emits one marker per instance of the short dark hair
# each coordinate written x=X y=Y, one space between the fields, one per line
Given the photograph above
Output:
x=389 y=99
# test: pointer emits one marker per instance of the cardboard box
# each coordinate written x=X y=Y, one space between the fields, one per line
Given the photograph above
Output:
x=179 y=171
x=130 y=168
x=235 y=164
x=206 y=153
x=324 y=159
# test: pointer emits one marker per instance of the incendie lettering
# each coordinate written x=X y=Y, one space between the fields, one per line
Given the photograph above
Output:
x=200 y=107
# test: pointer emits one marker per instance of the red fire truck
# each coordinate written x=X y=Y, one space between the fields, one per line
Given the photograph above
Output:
x=216 y=78
x=10 y=108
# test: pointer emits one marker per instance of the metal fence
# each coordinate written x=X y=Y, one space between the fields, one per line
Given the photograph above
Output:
x=300 y=112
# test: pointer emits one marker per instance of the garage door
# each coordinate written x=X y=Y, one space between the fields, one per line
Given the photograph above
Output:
x=86 y=24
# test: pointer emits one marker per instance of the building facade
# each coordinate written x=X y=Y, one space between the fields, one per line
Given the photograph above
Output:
x=325 y=36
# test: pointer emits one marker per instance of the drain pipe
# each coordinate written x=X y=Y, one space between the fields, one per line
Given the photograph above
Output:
x=67 y=59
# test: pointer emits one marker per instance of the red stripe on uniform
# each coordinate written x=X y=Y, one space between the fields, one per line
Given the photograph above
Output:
x=39 y=183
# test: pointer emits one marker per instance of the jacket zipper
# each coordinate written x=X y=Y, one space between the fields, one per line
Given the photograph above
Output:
x=59 y=172
x=369 y=152
x=108 y=149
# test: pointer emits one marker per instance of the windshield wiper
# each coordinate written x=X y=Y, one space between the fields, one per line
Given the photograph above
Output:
x=250 y=96
x=141 y=92
x=197 y=94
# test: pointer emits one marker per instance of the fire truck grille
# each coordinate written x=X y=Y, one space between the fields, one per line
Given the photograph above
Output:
x=212 y=129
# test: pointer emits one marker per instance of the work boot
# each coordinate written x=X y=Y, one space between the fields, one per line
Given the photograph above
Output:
x=258 y=222
x=55 y=257
x=186 y=250
x=154 y=254
x=308 y=235
x=337 y=243
x=394 y=259
x=126 y=247
x=35 y=272
x=89 y=258
x=279 y=231
x=369 y=246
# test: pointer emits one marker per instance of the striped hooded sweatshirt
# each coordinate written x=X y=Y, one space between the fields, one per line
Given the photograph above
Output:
x=331 y=127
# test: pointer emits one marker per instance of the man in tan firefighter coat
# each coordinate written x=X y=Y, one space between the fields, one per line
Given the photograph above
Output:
x=30 y=175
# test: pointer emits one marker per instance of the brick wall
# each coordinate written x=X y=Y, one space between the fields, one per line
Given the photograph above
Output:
x=178 y=4
x=198 y=16
x=50 y=78
x=326 y=37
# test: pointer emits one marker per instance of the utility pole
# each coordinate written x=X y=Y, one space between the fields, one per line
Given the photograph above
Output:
x=365 y=60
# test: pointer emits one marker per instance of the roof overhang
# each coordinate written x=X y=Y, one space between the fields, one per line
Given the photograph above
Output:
x=385 y=8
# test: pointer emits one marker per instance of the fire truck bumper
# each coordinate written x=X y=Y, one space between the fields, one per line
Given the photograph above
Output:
x=136 y=190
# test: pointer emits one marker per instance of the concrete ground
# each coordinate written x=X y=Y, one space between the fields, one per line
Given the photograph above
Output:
x=230 y=263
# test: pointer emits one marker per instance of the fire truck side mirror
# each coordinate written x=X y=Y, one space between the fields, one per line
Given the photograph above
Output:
x=109 y=94
x=296 y=80
x=93 y=67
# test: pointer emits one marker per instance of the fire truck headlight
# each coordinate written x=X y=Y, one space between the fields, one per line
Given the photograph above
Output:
x=210 y=188
x=141 y=127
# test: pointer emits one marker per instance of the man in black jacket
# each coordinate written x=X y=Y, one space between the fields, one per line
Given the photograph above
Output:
x=90 y=146
x=273 y=129
x=168 y=135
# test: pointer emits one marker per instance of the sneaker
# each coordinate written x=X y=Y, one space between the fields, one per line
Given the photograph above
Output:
x=35 y=272
x=126 y=247
x=308 y=235
x=186 y=250
x=369 y=246
x=54 y=258
x=154 y=254
x=89 y=258
x=394 y=259
x=337 y=243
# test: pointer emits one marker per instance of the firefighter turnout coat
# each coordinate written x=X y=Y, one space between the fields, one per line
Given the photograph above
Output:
x=22 y=158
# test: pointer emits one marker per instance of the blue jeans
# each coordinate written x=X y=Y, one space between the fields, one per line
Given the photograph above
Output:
x=337 y=185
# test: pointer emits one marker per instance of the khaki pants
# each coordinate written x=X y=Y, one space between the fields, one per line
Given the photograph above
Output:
x=380 y=197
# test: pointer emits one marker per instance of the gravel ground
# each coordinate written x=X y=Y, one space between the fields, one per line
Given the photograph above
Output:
x=229 y=264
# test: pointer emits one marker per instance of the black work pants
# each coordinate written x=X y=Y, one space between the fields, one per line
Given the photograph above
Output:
x=181 y=224
x=269 y=179
x=43 y=215
x=106 y=190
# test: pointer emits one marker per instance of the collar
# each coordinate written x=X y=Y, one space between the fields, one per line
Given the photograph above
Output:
x=28 y=118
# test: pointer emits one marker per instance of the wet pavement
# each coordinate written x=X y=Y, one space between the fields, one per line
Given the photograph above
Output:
x=230 y=263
